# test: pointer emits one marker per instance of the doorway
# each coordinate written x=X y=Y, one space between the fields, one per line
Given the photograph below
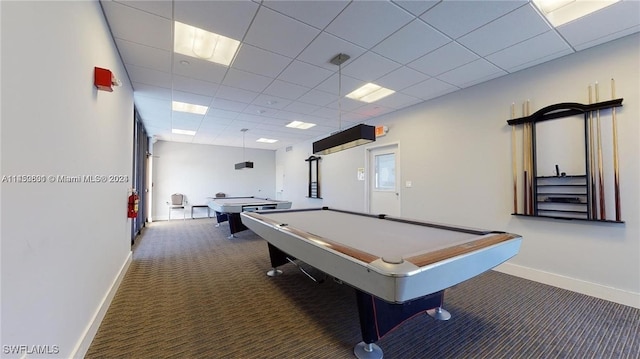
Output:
x=383 y=187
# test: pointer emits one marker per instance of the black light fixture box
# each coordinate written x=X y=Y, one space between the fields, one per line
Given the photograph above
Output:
x=351 y=137
x=243 y=165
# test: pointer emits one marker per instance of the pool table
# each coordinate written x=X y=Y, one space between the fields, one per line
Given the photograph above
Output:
x=399 y=267
x=229 y=209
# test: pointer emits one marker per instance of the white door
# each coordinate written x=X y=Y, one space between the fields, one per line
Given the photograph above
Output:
x=384 y=180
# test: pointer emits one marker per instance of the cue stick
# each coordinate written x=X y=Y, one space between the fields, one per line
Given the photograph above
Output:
x=616 y=169
x=530 y=161
x=603 y=213
x=514 y=161
x=592 y=163
x=524 y=163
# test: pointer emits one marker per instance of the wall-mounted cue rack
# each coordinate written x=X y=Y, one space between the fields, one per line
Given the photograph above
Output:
x=313 y=189
x=575 y=196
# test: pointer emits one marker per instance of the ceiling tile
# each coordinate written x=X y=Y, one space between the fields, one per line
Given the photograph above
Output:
x=144 y=56
x=519 y=25
x=401 y=78
x=429 y=89
x=317 y=97
x=222 y=104
x=346 y=104
x=227 y=18
x=286 y=90
x=332 y=85
x=369 y=67
x=279 y=33
x=248 y=117
x=246 y=80
x=421 y=37
x=214 y=123
x=219 y=113
x=416 y=7
x=302 y=108
x=155 y=105
x=457 y=18
x=270 y=101
x=149 y=76
x=138 y=26
x=366 y=23
x=443 y=59
x=531 y=52
x=192 y=98
x=198 y=69
x=472 y=73
x=233 y=93
x=199 y=87
x=304 y=74
x=622 y=18
x=140 y=89
x=160 y=8
x=325 y=47
x=261 y=62
x=398 y=100
x=314 y=13
x=257 y=110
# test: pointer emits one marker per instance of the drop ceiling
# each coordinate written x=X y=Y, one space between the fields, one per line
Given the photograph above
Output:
x=420 y=49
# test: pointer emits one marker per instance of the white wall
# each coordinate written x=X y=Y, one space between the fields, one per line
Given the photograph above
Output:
x=456 y=150
x=63 y=245
x=201 y=171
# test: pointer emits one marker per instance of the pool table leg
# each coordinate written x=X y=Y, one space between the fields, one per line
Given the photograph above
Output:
x=367 y=351
x=379 y=317
x=439 y=313
x=278 y=258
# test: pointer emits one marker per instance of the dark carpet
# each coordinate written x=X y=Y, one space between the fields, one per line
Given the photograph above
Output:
x=192 y=293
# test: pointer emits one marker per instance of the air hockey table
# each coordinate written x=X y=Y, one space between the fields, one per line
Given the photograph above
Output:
x=399 y=267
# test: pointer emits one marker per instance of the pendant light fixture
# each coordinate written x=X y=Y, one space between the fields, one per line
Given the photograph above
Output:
x=351 y=137
x=244 y=164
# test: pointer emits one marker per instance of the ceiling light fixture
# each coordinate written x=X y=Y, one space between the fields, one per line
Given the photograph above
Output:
x=266 y=140
x=351 y=137
x=244 y=164
x=560 y=12
x=188 y=107
x=370 y=93
x=300 y=125
x=178 y=131
x=199 y=43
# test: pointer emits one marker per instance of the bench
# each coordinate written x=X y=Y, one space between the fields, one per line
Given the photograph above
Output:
x=201 y=206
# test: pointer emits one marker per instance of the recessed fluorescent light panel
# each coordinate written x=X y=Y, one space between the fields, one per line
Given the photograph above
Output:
x=188 y=107
x=183 y=132
x=202 y=44
x=560 y=12
x=370 y=93
x=266 y=140
x=301 y=125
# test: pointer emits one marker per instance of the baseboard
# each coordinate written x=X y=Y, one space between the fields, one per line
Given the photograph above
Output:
x=85 y=341
x=575 y=285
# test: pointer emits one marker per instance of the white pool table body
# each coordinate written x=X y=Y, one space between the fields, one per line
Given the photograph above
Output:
x=395 y=261
x=241 y=204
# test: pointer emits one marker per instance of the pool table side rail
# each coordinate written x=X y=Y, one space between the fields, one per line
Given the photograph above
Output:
x=318 y=240
x=428 y=258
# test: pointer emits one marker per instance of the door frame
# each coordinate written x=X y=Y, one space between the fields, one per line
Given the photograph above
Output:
x=367 y=171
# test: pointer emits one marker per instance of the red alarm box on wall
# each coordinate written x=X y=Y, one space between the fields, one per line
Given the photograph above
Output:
x=103 y=79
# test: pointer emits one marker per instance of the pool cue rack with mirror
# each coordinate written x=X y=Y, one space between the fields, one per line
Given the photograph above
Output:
x=575 y=187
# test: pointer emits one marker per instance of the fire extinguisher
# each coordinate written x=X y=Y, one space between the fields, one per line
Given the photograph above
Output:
x=132 y=207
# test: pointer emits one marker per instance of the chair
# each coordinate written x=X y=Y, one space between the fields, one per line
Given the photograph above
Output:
x=178 y=201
